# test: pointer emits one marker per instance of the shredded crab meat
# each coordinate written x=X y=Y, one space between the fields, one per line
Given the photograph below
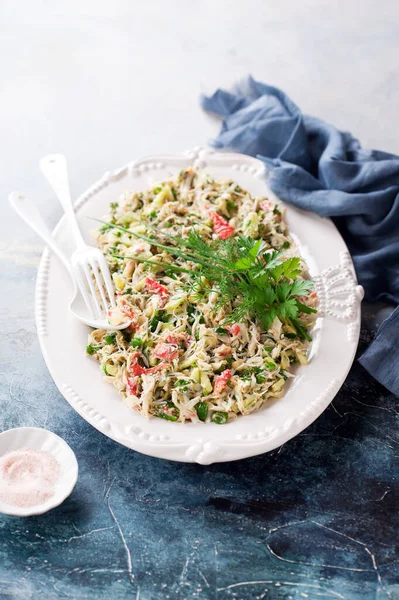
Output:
x=177 y=360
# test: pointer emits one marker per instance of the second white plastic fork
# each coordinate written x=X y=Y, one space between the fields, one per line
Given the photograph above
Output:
x=88 y=264
x=28 y=211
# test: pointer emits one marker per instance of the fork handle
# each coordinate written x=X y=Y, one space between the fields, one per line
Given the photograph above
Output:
x=28 y=211
x=54 y=168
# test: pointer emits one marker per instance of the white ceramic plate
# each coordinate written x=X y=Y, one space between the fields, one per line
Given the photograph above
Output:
x=335 y=337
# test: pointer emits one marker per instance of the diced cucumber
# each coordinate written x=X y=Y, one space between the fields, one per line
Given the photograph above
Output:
x=278 y=385
x=110 y=370
x=206 y=383
x=301 y=357
x=285 y=361
x=188 y=362
x=174 y=302
x=196 y=374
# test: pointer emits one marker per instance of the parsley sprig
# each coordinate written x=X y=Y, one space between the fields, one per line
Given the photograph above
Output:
x=255 y=281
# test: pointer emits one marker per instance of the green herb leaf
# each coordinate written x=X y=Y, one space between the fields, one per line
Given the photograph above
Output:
x=288 y=309
x=90 y=349
x=250 y=282
x=289 y=268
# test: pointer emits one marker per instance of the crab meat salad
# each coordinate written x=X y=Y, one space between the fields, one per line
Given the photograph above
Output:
x=218 y=303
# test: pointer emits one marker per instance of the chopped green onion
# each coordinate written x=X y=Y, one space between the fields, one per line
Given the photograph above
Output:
x=245 y=374
x=220 y=418
x=182 y=384
x=202 y=410
x=169 y=411
x=136 y=342
x=160 y=316
x=193 y=313
x=110 y=339
x=154 y=323
x=221 y=330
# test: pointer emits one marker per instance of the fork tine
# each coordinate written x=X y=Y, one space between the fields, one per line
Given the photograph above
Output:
x=107 y=279
x=94 y=296
x=100 y=285
x=82 y=285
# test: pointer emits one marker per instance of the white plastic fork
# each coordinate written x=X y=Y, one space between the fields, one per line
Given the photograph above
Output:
x=29 y=212
x=88 y=264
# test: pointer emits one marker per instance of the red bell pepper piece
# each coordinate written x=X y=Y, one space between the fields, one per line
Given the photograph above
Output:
x=220 y=226
x=221 y=381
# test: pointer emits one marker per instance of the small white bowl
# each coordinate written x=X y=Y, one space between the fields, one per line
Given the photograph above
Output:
x=41 y=439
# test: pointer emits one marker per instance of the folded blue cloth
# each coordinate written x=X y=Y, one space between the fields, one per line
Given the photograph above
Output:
x=318 y=168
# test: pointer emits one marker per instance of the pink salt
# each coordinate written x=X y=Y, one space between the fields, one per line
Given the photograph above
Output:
x=28 y=477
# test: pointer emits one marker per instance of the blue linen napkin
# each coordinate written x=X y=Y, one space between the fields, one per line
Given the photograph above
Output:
x=316 y=167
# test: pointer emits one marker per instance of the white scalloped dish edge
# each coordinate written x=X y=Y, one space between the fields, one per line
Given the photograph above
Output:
x=335 y=336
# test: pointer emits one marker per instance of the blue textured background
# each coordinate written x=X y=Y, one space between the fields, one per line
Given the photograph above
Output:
x=105 y=82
